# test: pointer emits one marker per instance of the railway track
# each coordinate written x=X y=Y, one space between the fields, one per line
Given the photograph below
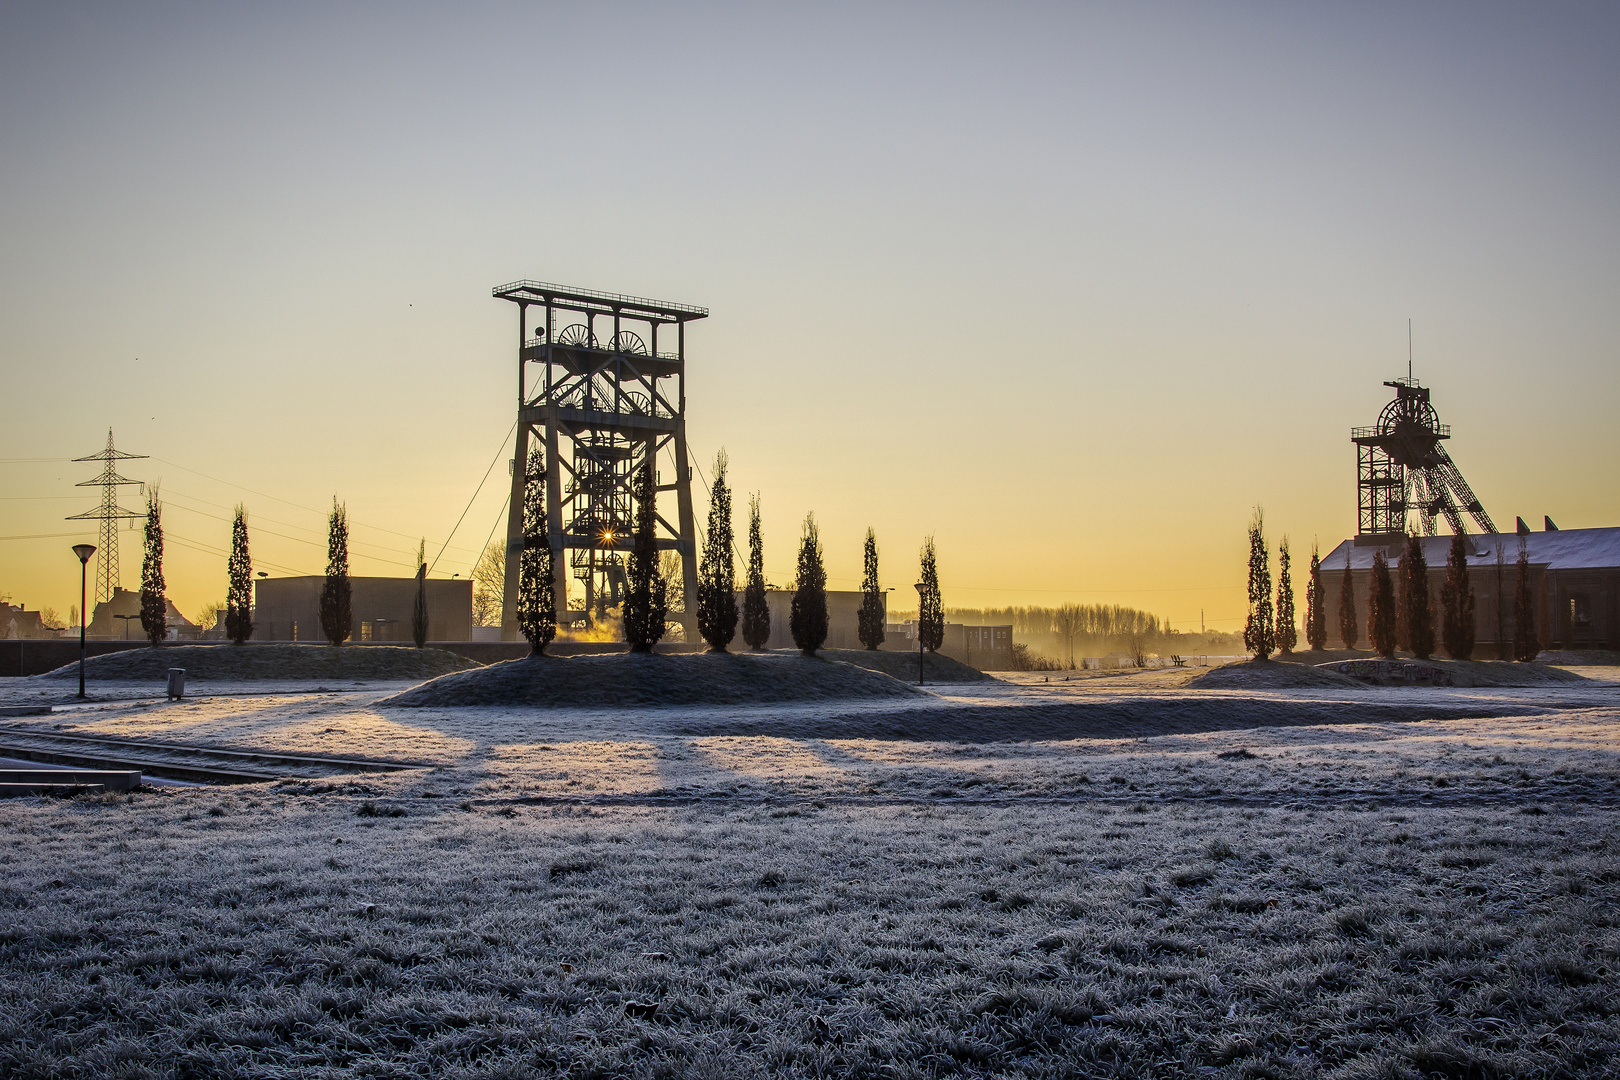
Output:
x=181 y=761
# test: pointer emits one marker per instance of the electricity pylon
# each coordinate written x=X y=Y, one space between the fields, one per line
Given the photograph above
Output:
x=109 y=513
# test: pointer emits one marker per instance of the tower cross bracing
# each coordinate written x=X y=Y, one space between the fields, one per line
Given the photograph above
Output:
x=1401 y=466
x=601 y=384
x=109 y=513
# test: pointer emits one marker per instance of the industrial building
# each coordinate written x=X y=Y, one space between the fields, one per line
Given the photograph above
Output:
x=1402 y=468
x=289 y=609
x=988 y=648
x=843 y=618
x=1574 y=578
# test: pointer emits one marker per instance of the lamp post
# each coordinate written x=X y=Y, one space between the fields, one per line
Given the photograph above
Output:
x=83 y=551
x=920 y=588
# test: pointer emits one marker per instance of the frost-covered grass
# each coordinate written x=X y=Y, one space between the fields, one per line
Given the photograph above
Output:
x=600 y=895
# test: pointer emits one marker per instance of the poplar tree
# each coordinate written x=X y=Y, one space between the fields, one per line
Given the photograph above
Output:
x=337 y=616
x=239 y=590
x=1457 y=602
x=717 y=576
x=1415 y=614
x=1504 y=644
x=1526 y=642
x=870 y=623
x=1259 y=630
x=1287 y=632
x=646 y=600
x=1381 y=607
x=419 y=614
x=807 y=616
x=1315 y=613
x=756 y=613
x=154 y=606
x=1349 y=629
x=536 y=602
x=930 y=607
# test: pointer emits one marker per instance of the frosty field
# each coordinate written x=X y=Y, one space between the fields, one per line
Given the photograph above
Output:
x=1112 y=876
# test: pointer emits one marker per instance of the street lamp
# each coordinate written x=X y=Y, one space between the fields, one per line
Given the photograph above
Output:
x=921 y=589
x=83 y=551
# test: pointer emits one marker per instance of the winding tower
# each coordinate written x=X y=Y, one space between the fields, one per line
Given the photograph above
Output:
x=1401 y=465
x=602 y=387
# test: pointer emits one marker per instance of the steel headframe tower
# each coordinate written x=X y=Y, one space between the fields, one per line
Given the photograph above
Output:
x=602 y=394
x=1401 y=465
x=109 y=513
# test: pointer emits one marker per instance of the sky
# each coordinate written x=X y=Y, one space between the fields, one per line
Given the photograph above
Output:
x=1070 y=287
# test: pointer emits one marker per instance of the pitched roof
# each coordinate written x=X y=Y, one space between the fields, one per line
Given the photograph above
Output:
x=1565 y=549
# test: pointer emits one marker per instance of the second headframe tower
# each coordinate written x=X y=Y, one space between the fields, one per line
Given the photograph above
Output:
x=1401 y=466
x=602 y=386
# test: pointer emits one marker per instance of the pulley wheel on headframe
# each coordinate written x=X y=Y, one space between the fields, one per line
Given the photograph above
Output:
x=628 y=341
x=577 y=334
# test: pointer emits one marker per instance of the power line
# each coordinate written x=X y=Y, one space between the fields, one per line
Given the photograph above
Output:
x=507 y=502
x=277 y=498
x=168 y=493
x=283 y=536
x=499 y=450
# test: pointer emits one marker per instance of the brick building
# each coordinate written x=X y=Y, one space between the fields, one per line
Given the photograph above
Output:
x=1574 y=578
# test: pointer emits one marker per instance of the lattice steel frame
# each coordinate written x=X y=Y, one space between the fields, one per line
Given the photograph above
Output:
x=109 y=513
x=600 y=401
x=1401 y=465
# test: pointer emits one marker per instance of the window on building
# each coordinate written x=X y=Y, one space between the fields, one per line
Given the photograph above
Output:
x=365 y=630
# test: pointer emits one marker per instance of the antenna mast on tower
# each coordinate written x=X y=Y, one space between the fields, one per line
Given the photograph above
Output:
x=109 y=513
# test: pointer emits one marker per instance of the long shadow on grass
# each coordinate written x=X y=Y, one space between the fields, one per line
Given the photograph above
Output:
x=946 y=722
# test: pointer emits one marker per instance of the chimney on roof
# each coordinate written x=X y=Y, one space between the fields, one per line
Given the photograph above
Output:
x=1550 y=527
x=1523 y=529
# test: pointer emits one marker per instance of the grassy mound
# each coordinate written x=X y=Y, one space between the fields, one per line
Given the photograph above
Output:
x=1580 y=657
x=629 y=680
x=1269 y=675
x=903 y=665
x=251 y=661
x=1437 y=672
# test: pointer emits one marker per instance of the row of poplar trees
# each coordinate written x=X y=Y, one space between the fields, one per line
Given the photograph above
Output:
x=239 y=572
x=336 y=605
x=1400 y=613
x=718 y=613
